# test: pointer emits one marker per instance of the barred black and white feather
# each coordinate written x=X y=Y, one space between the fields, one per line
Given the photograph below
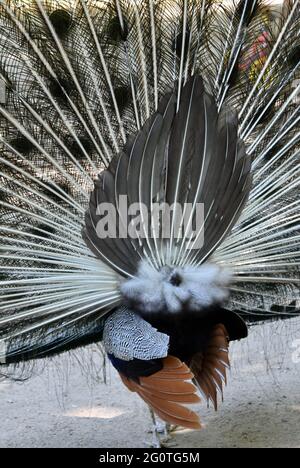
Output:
x=147 y=344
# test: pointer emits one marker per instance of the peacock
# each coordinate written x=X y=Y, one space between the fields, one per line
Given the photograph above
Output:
x=149 y=194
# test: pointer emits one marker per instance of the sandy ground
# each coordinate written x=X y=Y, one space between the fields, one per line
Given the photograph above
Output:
x=65 y=407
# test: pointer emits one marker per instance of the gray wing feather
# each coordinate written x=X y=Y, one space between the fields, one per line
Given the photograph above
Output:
x=195 y=156
x=127 y=336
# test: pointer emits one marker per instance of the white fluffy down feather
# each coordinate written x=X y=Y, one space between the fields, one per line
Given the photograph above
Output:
x=171 y=289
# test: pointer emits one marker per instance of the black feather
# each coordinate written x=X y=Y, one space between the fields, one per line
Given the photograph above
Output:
x=42 y=230
x=60 y=89
x=178 y=43
x=189 y=332
x=61 y=21
x=115 y=32
x=22 y=145
x=76 y=150
x=277 y=308
x=123 y=97
x=234 y=75
x=294 y=56
x=136 y=367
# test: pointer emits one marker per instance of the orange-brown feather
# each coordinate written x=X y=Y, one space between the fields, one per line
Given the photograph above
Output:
x=167 y=391
x=210 y=366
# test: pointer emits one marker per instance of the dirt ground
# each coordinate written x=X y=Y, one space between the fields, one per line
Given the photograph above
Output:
x=66 y=407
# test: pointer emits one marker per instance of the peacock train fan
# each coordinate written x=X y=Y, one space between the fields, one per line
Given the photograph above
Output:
x=187 y=112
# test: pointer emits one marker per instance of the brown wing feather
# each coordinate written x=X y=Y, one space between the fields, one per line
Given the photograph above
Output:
x=210 y=367
x=167 y=391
